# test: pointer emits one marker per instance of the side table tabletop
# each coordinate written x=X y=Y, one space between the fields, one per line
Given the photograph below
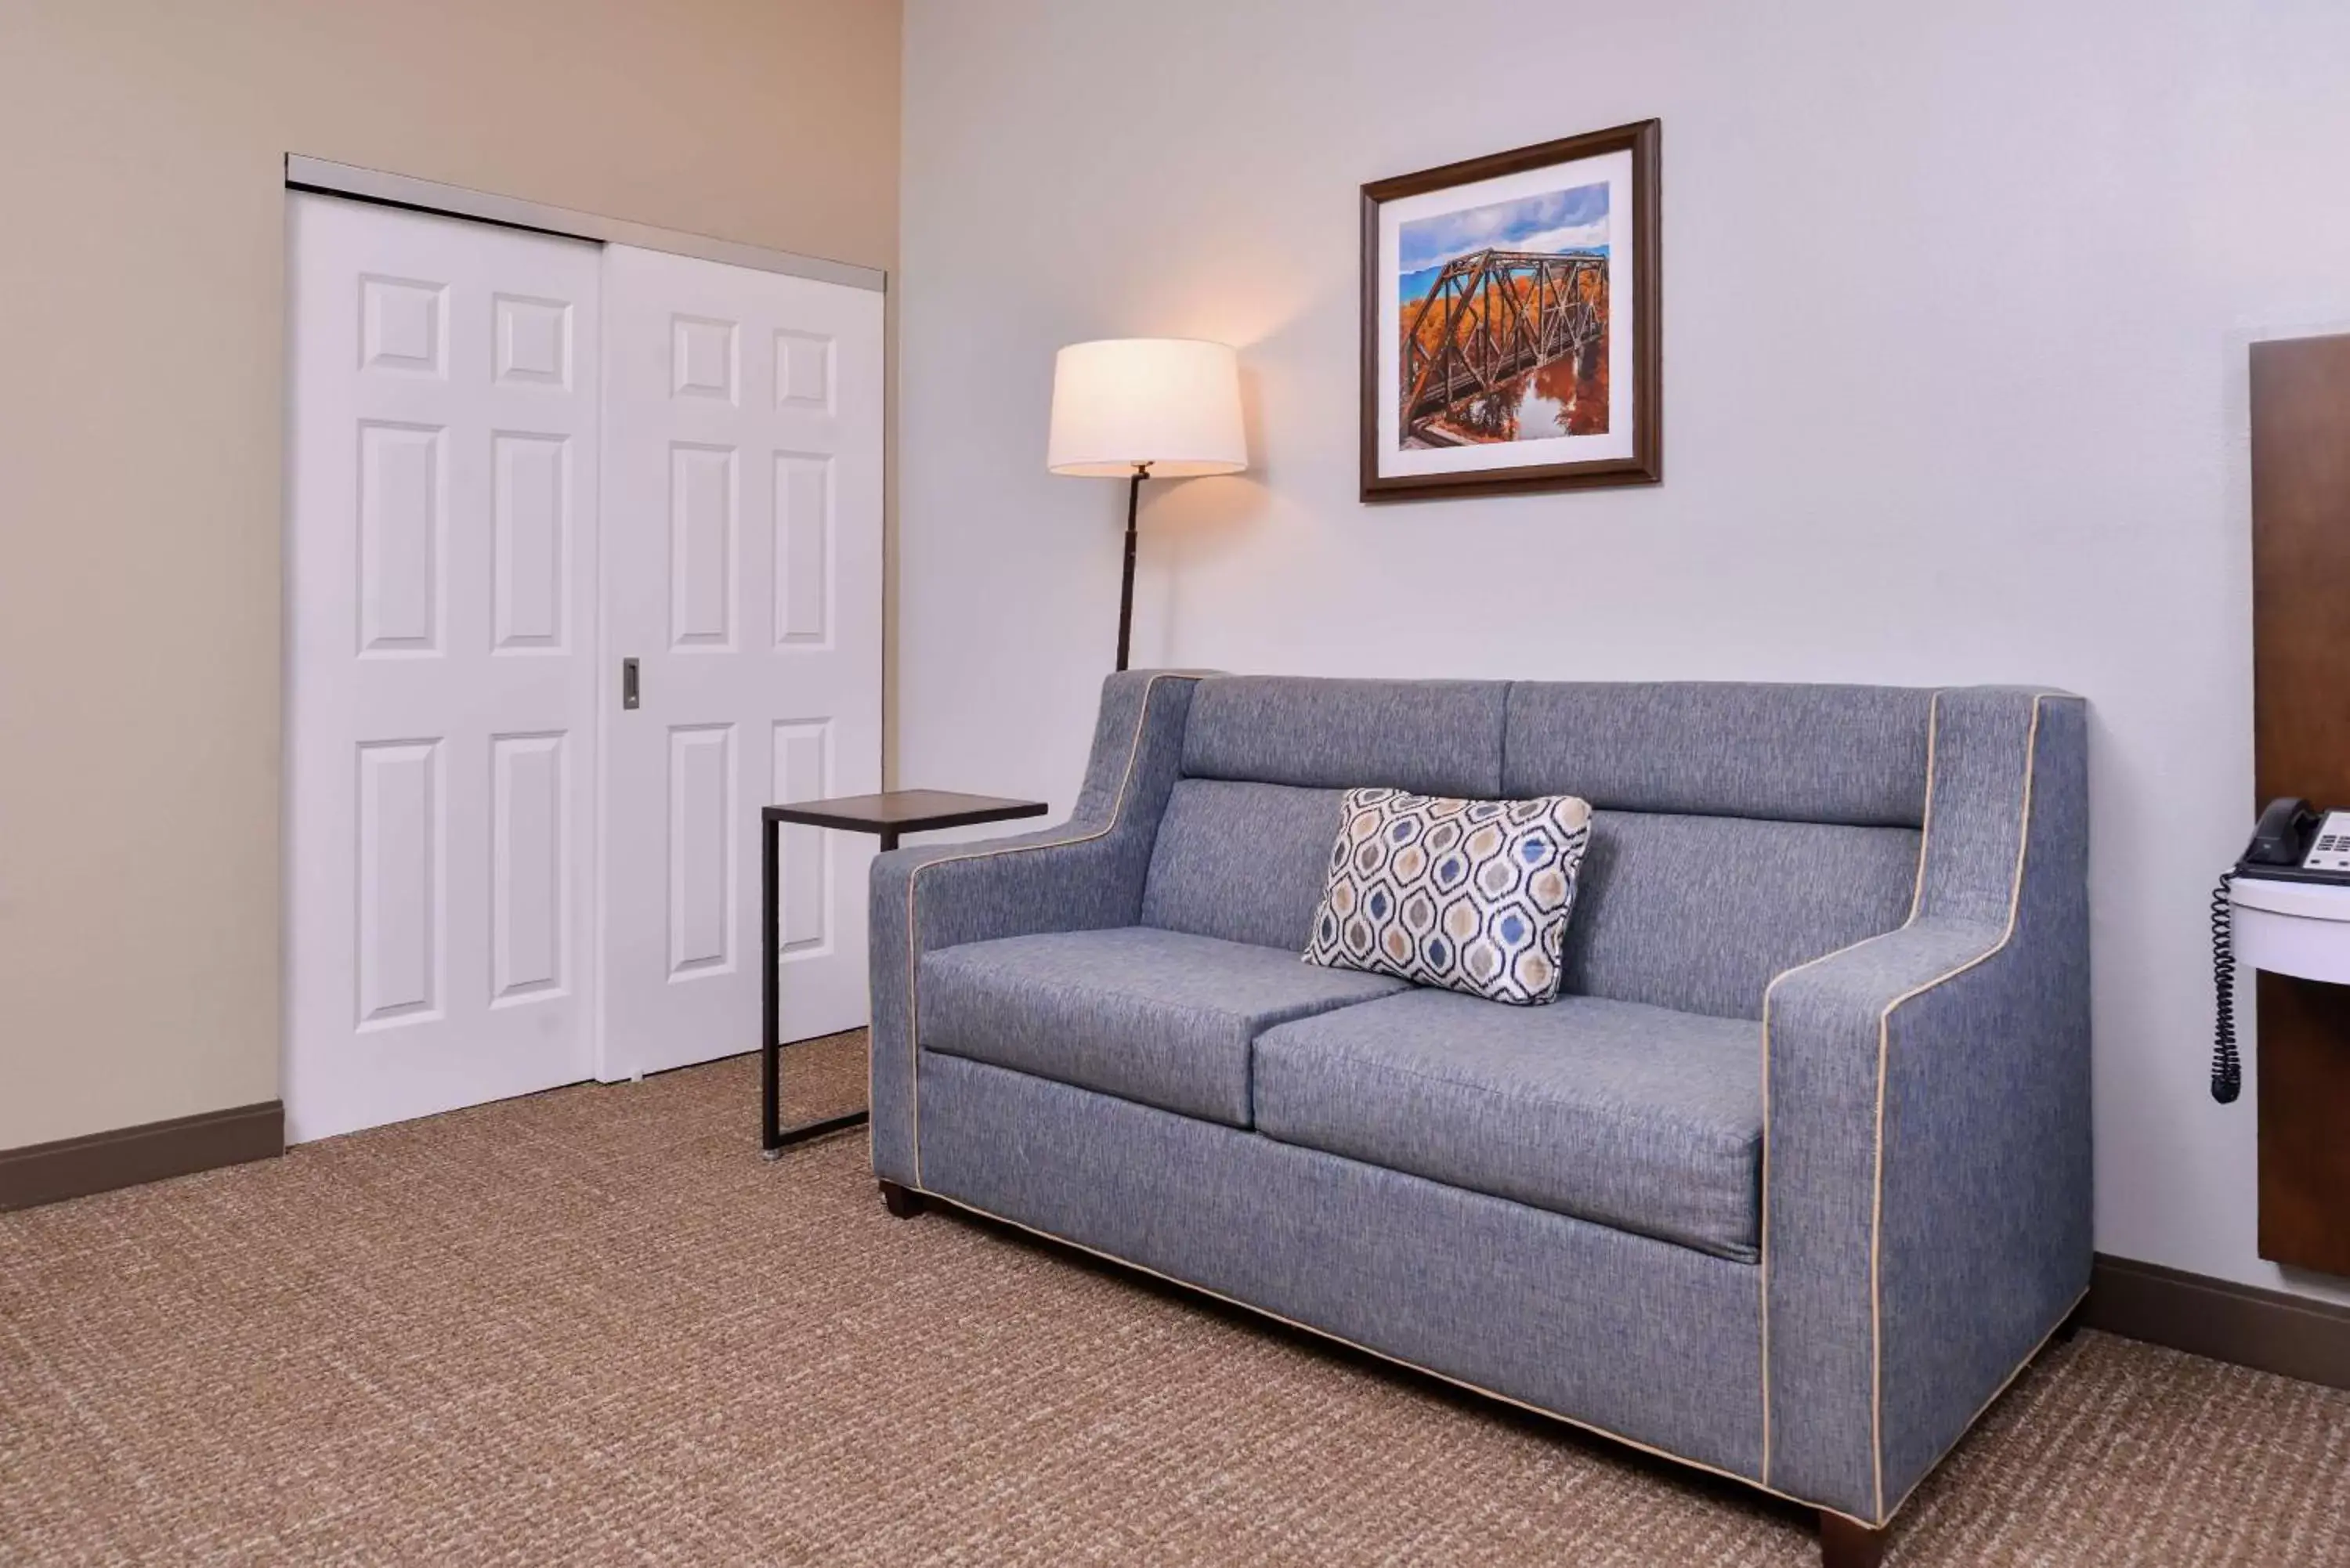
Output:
x=886 y=816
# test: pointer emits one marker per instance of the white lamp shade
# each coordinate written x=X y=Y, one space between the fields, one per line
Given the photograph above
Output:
x=1172 y=403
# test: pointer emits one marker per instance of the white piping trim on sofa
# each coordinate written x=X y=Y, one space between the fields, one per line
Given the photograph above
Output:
x=2004 y=1384
x=1391 y=1360
x=913 y=949
x=1925 y=838
x=1876 y=1197
x=1926 y=811
x=1883 y=1052
x=1917 y=900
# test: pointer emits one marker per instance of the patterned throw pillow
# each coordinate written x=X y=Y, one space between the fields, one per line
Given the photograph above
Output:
x=1469 y=895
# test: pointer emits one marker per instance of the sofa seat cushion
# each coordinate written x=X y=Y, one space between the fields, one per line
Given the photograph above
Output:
x=1164 y=1018
x=1630 y=1115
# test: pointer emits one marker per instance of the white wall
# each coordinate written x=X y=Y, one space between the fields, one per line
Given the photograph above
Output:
x=1956 y=307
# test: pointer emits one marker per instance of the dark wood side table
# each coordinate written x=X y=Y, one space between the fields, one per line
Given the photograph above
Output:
x=887 y=815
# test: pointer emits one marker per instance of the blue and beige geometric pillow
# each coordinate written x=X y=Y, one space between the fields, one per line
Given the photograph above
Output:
x=1469 y=895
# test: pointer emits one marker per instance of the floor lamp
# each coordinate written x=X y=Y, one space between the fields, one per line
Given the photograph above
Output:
x=1145 y=408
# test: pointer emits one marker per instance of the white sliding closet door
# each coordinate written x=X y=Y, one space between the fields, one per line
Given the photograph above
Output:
x=440 y=663
x=742 y=570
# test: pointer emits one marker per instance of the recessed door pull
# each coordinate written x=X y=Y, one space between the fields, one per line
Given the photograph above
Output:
x=627 y=683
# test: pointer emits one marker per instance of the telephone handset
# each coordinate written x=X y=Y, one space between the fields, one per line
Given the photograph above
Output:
x=2294 y=844
x=2291 y=843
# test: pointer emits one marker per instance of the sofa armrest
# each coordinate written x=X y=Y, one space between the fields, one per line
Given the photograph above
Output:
x=1925 y=1217
x=1087 y=872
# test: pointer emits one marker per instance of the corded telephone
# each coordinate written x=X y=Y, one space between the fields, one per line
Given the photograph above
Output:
x=2291 y=843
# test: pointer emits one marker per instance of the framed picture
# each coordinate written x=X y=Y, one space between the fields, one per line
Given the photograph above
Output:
x=1510 y=338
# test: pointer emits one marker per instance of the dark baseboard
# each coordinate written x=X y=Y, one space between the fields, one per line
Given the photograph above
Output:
x=2294 y=1335
x=77 y=1166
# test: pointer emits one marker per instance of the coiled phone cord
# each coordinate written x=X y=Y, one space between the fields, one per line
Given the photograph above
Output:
x=2227 y=1070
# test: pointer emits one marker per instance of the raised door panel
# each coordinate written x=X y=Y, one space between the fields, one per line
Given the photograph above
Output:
x=802 y=550
x=531 y=881
x=397 y=883
x=701 y=850
x=404 y=325
x=403 y=513
x=704 y=544
x=801 y=769
x=705 y=358
x=530 y=529
x=533 y=341
x=804 y=378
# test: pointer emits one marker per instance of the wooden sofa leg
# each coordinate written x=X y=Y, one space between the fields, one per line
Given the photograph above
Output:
x=903 y=1203
x=1844 y=1543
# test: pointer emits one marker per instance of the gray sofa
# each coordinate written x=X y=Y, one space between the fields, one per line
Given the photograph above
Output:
x=1788 y=1185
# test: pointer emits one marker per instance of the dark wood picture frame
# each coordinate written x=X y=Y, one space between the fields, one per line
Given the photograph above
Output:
x=1645 y=465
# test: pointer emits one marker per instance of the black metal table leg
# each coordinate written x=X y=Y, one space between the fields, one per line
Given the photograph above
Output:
x=773 y=1137
x=885 y=816
x=771 y=1050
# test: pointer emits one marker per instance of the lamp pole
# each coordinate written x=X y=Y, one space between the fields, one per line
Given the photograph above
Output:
x=1126 y=592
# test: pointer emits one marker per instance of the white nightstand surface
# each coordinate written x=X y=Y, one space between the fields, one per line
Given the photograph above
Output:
x=2292 y=928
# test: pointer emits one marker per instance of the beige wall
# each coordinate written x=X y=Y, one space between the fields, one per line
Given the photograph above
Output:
x=142 y=353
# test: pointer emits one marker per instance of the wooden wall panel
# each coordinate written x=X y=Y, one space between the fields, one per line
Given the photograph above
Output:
x=2301 y=725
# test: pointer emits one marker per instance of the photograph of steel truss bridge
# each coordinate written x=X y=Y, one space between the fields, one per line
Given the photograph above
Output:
x=1505 y=321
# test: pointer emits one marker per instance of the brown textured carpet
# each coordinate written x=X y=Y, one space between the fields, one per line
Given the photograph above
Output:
x=593 y=1326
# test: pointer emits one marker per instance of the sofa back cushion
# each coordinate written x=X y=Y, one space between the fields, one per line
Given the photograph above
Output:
x=1431 y=737
x=1851 y=754
x=1697 y=913
x=1244 y=846
x=1241 y=860
x=1740 y=829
